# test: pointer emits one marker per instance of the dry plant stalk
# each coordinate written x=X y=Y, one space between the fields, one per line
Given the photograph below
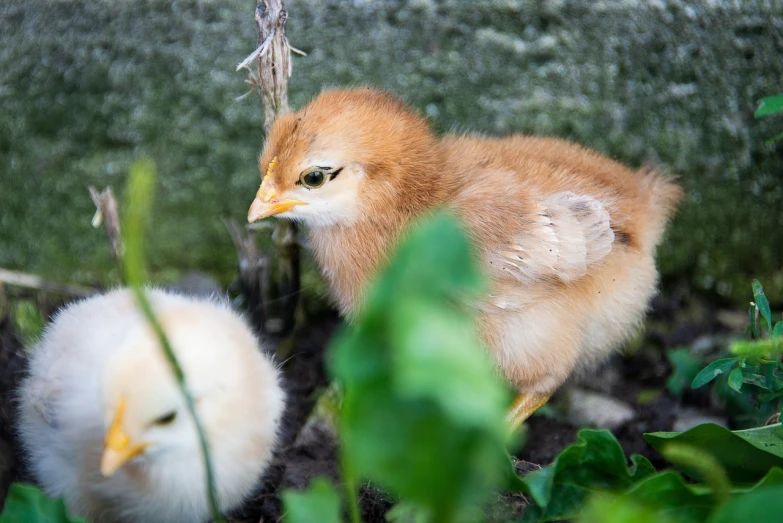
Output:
x=253 y=272
x=33 y=281
x=107 y=214
x=270 y=82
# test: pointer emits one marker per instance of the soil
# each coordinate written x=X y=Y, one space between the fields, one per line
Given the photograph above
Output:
x=299 y=459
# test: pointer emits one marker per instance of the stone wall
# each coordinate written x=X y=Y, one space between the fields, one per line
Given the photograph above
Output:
x=85 y=87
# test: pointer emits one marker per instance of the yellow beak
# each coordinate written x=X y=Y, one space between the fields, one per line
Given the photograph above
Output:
x=260 y=209
x=117 y=446
x=266 y=203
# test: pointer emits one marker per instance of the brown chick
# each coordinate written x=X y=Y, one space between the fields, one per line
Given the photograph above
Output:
x=566 y=235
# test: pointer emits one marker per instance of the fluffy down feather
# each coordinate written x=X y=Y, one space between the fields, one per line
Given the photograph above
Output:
x=99 y=353
x=566 y=235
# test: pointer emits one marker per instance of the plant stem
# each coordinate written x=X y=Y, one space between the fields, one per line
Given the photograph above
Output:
x=138 y=206
x=349 y=484
x=706 y=465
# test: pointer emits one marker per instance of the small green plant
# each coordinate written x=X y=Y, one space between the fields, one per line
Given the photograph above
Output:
x=590 y=481
x=423 y=410
x=756 y=366
x=27 y=321
x=769 y=106
x=27 y=504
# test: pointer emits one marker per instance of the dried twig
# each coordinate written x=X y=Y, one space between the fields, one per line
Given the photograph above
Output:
x=270 y=82
x=107 y=214
x=253 y=268
x=32 y=281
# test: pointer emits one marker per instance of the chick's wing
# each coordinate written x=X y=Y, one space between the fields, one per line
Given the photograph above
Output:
x=566 y=235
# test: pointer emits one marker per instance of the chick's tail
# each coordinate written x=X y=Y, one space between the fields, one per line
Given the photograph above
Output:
x=664 y=197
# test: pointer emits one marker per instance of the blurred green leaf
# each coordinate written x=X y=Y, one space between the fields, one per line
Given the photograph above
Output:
x=746 y=455
x=769 y=105
x=685 y=367
x=751 y=378
x=762 y=303
x=595 y=462
x=774 y=139
x=669 y=495
x=735 y=379
x=758 y=349
x=438 y=357
x=423 y=412
x=712 y=371
x=140 y=195
x=691 y=457
x=760 y=505
x=319 y=502
x=777 y=332
x=27 y=321
x=754 y=328
x=610 y=509
x=27 y=504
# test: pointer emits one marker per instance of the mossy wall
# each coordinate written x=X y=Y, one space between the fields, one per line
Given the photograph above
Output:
x=86 y=87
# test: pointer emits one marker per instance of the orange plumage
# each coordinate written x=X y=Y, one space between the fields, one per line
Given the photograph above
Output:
x=566 y=235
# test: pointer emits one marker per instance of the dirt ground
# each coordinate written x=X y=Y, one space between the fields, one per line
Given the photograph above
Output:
x=298 y=460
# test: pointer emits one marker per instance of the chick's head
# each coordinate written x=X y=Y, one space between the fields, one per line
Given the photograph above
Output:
x=149 y=428
x=144 y=413
x=325 y=163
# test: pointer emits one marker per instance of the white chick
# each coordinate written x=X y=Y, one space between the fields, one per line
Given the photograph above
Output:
x=105 y=426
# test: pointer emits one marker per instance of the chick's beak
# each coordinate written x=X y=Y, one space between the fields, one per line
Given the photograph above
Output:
x=260 y=209
x=118 y=447
x=266 y=202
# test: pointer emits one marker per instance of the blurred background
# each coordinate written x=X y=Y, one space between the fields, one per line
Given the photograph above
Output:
x=86 y=87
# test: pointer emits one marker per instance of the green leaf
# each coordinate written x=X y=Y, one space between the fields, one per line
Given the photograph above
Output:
x=756 y=349
x=753 y=378
x=27 y=504
x=763 y=502
x=769 y=105
x=712 y=371
x=319 y=502
x=669 y=494
x=608 y=509
x=774 y=139
x=735 y=379
x=777 y=332
x=438 y=339
x=419 y=388
x=754 y=328
x=595 y=462
x=746 y=455
x=766 y=397
x=685 y=367
x=762 y=303
x=695 y=458
x=27 y=321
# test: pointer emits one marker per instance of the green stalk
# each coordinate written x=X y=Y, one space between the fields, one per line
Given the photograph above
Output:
x=137 y=212
x=704 y=463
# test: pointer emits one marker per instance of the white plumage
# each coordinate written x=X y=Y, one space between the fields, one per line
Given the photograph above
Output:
x=104 y=424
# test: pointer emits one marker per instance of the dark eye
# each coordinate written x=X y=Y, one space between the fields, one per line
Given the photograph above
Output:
x=167 y=418
x=312 y=179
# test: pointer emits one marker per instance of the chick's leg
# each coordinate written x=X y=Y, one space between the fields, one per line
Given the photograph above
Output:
x=524 y=406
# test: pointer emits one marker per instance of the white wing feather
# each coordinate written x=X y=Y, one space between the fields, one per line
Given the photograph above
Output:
x=569 y=234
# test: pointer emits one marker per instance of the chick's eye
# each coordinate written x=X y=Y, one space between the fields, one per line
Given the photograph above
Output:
x=166 y=419
x=313 y=179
